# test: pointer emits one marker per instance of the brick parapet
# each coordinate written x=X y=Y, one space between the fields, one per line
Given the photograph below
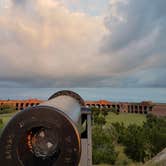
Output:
x=129 y=107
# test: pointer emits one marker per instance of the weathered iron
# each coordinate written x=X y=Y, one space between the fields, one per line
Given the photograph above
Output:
x=47 y=135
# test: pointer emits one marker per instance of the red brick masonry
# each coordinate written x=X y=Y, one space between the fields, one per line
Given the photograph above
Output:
x=144 y=107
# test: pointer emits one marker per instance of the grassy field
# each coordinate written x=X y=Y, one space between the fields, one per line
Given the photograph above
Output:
x=126 y=118
x=5 y=118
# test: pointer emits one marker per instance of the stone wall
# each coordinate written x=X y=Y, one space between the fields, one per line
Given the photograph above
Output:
x=128 y=107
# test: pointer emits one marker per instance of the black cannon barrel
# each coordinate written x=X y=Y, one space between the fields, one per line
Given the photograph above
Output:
x=45 y=135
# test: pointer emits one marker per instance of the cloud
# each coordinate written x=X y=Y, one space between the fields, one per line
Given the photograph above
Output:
x=93 y=7
x=136 y=42
x=42 y=43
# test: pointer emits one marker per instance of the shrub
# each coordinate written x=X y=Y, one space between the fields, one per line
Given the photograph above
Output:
x=1 y=121
x=142 y=143
x=103 y=147
x=121 y=131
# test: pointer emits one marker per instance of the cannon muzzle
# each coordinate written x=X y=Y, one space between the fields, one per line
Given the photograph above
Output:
x=44 y=135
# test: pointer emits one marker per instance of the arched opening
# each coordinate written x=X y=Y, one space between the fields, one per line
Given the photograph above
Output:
x=140 y=108
x=145 y=108
x=118 y=108
x=145 y=112
x=136 y=109
x=98 y=105
x=32 y=104
x=132 y=108
x=87 y=105
x=1 y=107
x=103 y=106
x=21 y=106
x=108 y=106
x=128 y=108
x=17 y=106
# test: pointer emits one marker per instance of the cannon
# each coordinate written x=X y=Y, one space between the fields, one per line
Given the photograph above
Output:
x=55 y=133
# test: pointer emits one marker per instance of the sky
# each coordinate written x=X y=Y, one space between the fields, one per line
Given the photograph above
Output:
x=82 y=43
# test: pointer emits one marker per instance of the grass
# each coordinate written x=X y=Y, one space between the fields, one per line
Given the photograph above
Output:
x=5 y=118
x=126 y=118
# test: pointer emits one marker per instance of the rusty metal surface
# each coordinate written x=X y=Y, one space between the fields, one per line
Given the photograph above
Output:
x=15 y=148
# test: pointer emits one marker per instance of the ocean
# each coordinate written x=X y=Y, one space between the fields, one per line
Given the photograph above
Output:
x=111 y=94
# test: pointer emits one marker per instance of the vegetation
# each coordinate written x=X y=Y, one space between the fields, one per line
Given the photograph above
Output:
x=7 y=108
x=4 y=118
x=103 y=146
x=1 y=121
x=103 y=139
x=143 y=142
x=140 y=138
x=126 y=118
x=122 y=139
x=6 y=112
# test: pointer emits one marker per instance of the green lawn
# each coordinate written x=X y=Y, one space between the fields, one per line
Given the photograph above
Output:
x=126 y=118
x=5 y=118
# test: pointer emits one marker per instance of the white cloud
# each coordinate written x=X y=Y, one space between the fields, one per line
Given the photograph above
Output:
x=43 y=39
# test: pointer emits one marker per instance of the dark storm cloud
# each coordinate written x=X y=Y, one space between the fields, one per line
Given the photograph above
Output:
x=137 y=41
x=19 y=2
x=134 y=21
x=51 y=83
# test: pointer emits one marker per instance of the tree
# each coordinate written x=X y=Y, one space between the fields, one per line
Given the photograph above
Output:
x=100 y=120
x=98 y=117
x=103 y=147
x=156 y=132
x=135 y=143
x=114 y=110
x=121 y=131
x=142 y=143
x=105 y=111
